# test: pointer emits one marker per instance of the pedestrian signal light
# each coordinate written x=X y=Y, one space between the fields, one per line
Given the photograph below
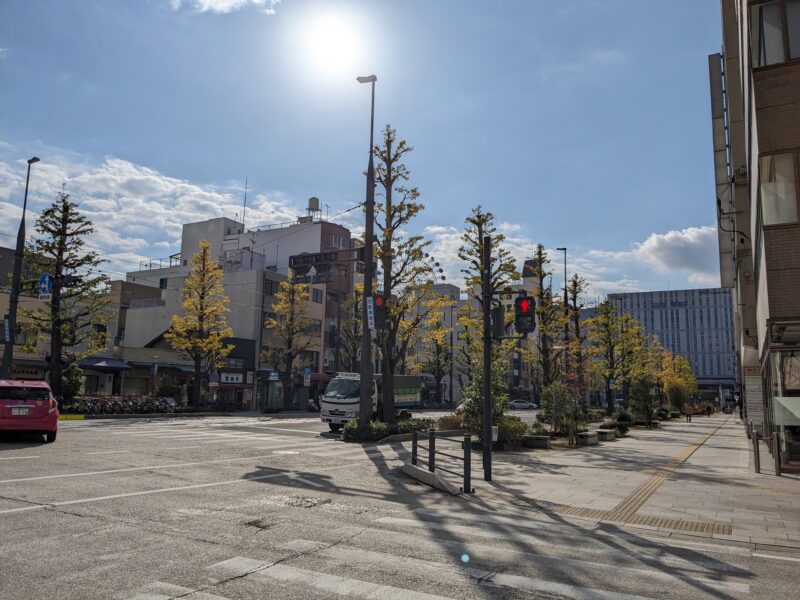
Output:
x=524 y=314
x=379 y=303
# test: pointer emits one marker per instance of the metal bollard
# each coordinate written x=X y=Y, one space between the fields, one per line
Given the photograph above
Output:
x=467 y=489
x=756 y=457
x=776 y=452
x=413 y=446
x=432 y=451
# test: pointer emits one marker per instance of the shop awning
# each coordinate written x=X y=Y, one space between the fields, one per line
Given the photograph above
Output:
x=103 y=364
x=149 y=365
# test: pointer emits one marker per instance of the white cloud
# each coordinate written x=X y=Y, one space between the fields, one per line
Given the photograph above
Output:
x=692 y=251
x=688 y=255
x=3 y=53
x=137 y=212
x=226 y=6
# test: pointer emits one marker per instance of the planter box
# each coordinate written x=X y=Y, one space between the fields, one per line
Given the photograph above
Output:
x=536 y=441
x=606 y=435
x=587 y=438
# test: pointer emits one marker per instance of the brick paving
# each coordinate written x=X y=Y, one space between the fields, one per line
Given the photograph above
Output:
x=694 y=478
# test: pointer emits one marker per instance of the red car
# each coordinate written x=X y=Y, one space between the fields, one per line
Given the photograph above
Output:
x=28 y=406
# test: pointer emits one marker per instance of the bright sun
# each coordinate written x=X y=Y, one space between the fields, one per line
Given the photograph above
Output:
x=333 y=45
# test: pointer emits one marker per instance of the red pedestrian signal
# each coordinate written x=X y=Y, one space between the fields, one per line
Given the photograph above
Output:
x=524 y=315
x=379 y=303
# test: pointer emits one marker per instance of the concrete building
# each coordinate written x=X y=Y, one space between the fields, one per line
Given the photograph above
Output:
x=697 y=324
x=418 y=351
x=254 y=263
x=755 y=106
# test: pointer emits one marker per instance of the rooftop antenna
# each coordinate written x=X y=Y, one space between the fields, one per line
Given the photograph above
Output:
x=327 y=211
x=244 y=208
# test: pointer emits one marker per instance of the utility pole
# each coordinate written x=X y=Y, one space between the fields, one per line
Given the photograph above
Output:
x=367 y=375
x=11 y=320
x=486 y=273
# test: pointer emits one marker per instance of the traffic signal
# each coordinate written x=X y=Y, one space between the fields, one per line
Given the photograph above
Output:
x=379 y=303
x=524 y=314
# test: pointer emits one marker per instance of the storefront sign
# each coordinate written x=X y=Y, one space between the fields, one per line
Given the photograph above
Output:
x=232 y=378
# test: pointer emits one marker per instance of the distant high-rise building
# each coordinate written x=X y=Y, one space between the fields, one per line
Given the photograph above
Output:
x=697 y=324
x=755 y=109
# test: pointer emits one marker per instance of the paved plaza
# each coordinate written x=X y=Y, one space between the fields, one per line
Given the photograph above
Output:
x=261 y=507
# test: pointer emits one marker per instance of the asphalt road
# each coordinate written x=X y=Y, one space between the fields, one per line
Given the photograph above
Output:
x=217 y=508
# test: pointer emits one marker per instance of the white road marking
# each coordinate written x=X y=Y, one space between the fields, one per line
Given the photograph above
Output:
x=166 y=591
x=776 y=557
x=308 y=482
x=196 y=486
x=355 y=555
x=351 y=588
x=183 y=448
x=286 y=429
x=18 y=457
x=111 y=452
x=151 y=467
x=285 y=452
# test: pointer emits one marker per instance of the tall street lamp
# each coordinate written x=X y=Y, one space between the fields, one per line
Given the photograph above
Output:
x=365 y=406
x=11 y=320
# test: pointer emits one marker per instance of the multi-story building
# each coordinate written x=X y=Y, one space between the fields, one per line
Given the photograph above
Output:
x=697 y=324
x=755 y=104
x=254 y=263
x=419 y=350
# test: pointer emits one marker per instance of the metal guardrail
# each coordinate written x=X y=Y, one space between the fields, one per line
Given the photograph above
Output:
x=432 y=452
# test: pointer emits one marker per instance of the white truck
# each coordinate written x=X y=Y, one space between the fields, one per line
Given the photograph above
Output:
x=340 y=401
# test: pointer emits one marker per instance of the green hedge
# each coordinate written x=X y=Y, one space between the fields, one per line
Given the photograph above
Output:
x=377 y=430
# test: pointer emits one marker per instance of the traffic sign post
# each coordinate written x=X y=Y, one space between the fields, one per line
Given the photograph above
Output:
x=307 y=377
x=45 y=286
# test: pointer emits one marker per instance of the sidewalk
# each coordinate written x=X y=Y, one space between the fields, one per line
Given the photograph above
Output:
x=686 y=478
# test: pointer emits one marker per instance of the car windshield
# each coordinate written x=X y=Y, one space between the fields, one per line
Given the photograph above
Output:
x=8 y=392
x=343 y=388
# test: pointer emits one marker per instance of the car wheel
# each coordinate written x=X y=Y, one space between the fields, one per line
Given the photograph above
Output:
x=335 y=427
x=50 y=436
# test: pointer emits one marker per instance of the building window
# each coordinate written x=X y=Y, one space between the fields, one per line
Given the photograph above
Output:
x=774 y=32
x=316 y=295
x=162 y=283
x=778 y=189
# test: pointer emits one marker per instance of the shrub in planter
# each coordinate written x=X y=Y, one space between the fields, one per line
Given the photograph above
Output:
x=510 y=429
x=621 y=426
x=538 y=428
x=623 y=415
x=376 y=430
x=449 y=422
x=662 y=414
x=596 y=414
x=419 y=424
x=674 y=414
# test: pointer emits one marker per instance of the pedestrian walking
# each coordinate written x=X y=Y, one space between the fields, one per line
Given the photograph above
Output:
x=708 y=410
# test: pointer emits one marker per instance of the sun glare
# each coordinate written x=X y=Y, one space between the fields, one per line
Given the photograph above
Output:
x=333 y=45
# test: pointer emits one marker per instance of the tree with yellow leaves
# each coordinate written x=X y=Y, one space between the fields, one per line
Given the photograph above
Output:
x=292 y=332
x=200 y=332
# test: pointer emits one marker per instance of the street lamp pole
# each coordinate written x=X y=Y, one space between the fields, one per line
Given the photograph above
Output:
x=11 y=320
x=367 y=375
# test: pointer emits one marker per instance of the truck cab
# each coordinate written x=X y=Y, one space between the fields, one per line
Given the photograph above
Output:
x=340 y=401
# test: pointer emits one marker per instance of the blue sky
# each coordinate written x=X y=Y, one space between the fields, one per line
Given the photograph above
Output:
x=579 y=123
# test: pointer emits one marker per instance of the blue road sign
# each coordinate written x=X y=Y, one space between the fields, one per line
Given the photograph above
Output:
x=45 y=283
x=307 y=371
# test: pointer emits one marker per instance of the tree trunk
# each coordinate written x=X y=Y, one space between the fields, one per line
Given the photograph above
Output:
x=387 y=373
x=609 y=399
x=197 y=382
